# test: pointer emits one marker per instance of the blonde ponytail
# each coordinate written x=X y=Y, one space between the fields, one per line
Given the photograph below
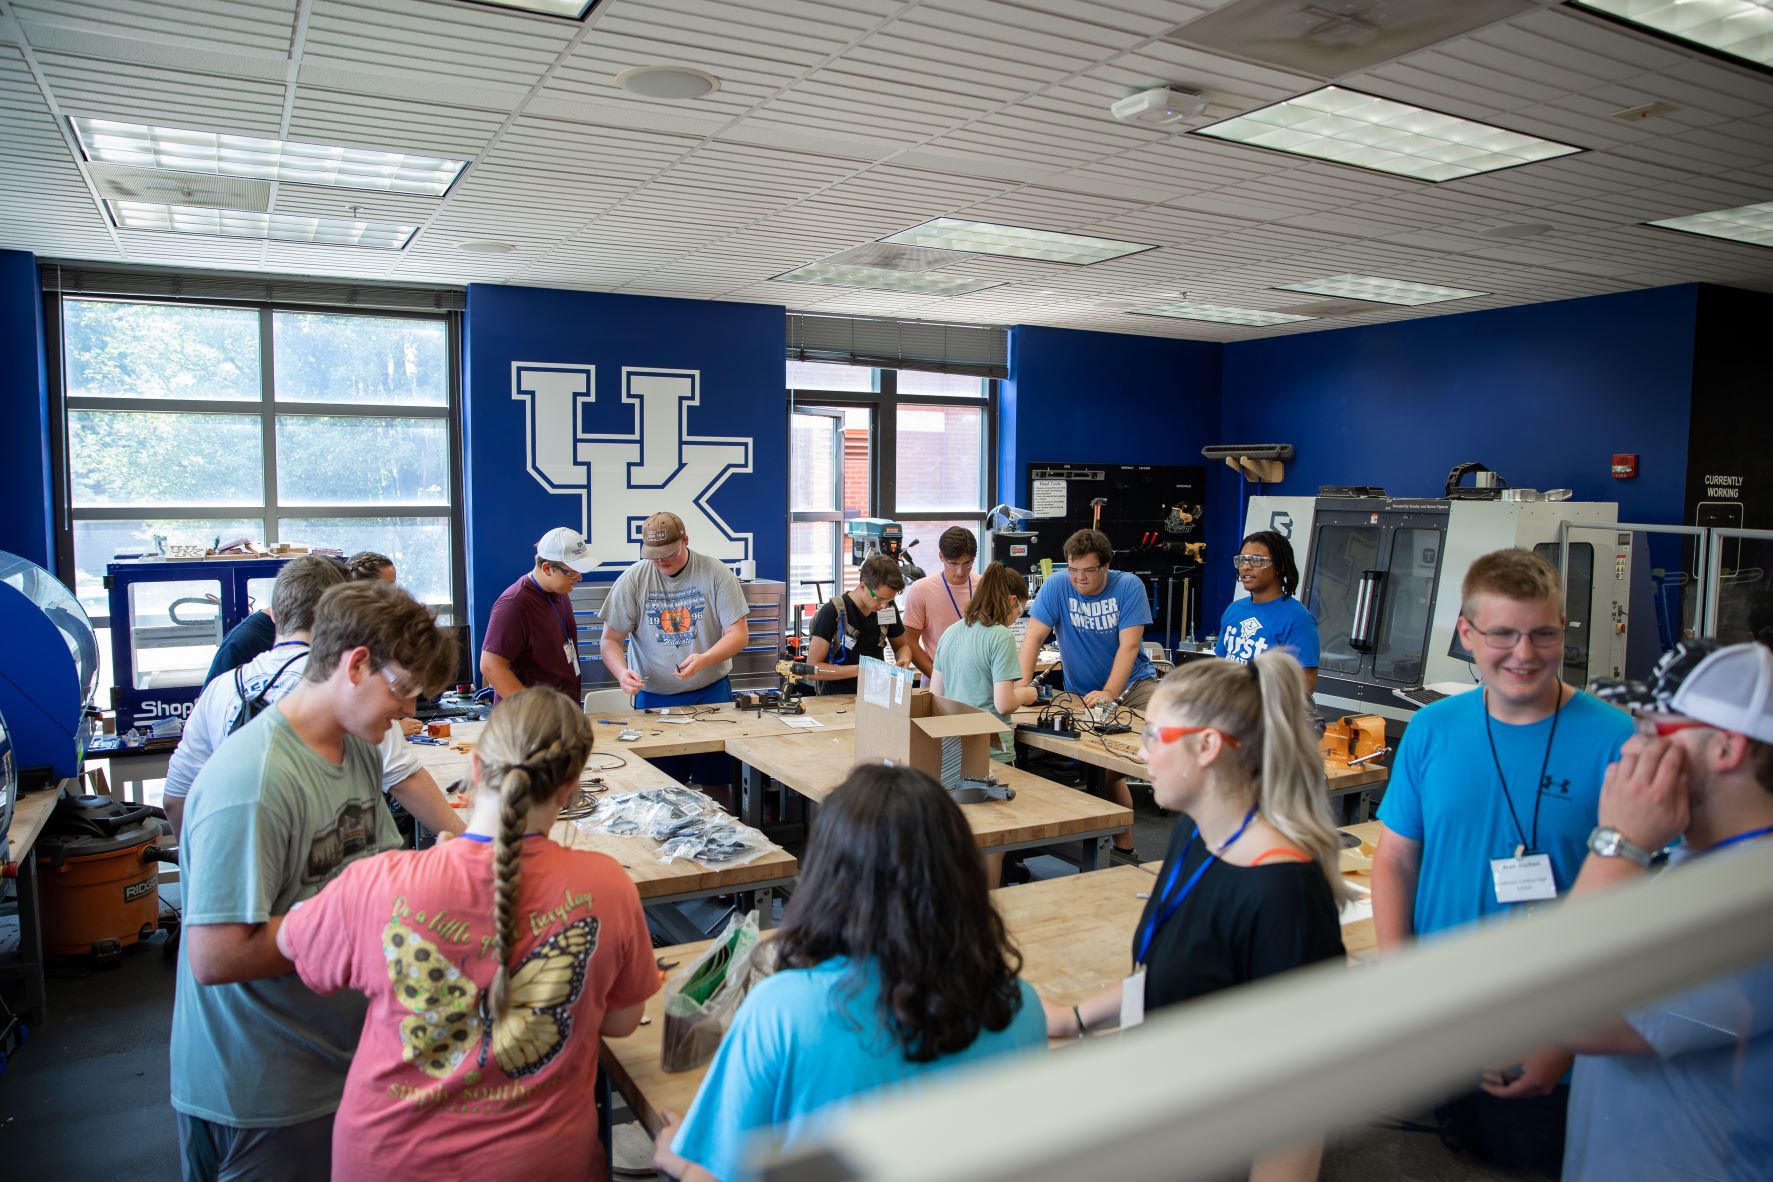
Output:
x=1264 y=707
x=534 y=744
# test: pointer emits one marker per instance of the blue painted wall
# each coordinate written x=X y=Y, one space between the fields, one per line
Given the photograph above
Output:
x=683 y=410
x=27 y=528
x=1110 y=398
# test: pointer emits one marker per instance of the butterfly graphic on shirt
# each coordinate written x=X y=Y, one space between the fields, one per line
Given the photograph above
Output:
x=451 y=1016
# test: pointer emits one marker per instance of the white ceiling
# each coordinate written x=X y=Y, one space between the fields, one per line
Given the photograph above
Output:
x=838 y=123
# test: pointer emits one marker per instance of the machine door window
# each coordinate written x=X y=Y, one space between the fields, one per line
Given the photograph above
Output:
x=1340 y=554
x=1578 y=602
x=1409 y=605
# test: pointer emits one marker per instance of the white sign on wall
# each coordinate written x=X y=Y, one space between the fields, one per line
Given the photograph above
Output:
x=620 y=480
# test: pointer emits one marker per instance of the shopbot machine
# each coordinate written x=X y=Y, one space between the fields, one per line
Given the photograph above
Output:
x=1381 y=574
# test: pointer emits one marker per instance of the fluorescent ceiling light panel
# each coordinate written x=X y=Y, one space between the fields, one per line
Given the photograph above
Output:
x=572 y=10
x=1017 y=242
x=1380 y=290
x=887 y=279
x=284 y=161
x=1752 y=224
x=1221 y=314
x=278 y=227
x=1736 y=28
x=1348 y=127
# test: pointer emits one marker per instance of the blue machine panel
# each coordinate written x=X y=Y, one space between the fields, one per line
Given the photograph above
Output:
x=48 y=670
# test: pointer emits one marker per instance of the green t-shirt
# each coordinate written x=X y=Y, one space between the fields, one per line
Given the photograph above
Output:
x=270 y=822
x=972 y=659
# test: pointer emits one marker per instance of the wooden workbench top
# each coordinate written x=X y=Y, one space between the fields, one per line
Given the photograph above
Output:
x=1075 y=935
x=663 y=734
x=29 y=814
x=814 y=763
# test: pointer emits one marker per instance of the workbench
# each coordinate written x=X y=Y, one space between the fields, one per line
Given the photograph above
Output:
x=710 y=728
x=661 y=885
x=29 y=815
x=813 y=763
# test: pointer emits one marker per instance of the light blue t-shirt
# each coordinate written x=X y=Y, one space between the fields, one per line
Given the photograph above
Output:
x=800 y=1049
x=1700 y=1108
x=270 y=822
x=1445 y=794
x=1087 y=627
x=1248 y=628
x=972 y=659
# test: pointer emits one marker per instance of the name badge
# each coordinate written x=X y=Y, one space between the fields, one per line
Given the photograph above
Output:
x=1132 y=999
x=887 y=615
x=572 y=653
x=1523 y=880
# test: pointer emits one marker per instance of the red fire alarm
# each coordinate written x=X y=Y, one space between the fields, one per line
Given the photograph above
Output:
x=1625 y=467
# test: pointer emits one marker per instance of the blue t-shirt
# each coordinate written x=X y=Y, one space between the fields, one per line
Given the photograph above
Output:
x=800 y=1048
x=1087 y=627
x=1445 y=794
x=1248 y=628
x=1699 y=1107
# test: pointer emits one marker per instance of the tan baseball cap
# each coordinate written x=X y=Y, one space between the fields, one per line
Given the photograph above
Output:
x=660 y=535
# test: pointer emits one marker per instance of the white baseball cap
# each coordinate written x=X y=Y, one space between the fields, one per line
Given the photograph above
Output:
x=1726 y=686
x=567 y=547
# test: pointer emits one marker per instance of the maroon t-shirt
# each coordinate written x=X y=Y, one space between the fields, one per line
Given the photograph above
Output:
x=530 y=628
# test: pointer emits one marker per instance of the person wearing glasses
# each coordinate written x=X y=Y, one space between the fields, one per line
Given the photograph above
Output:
x=1269 y=617
x=1487 y=814
x=868 y=626
x=1252 y=881
x=1099 y=616
x=282 y=807
x=938 y=601
x=531 y=637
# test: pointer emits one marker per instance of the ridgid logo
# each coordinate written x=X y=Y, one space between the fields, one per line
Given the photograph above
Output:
x=621 y=479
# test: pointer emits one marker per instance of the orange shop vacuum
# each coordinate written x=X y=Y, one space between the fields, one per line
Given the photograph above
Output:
x=98 y=878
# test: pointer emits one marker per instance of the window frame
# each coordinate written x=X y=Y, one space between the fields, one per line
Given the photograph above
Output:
x=883 y=404
x=267 y=408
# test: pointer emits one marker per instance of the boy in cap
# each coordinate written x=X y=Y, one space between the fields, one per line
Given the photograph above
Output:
x=531 y=637
x=1683 y=1088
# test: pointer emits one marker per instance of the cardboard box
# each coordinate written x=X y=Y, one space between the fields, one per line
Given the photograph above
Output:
x=901 y=725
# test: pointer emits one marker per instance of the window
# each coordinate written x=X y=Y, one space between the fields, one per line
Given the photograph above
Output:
x=906 y=445
x=201 y=422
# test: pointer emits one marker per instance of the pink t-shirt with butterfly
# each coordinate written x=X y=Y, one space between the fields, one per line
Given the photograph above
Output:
x=438 y=1087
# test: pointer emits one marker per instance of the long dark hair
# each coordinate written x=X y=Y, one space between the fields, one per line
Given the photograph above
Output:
x=893 y=880
x=1281 y=551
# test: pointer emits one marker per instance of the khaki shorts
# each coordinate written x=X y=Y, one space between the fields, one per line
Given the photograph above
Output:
x=1139 y=695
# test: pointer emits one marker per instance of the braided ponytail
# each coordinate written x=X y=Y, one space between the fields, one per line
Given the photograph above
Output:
x=535 y=743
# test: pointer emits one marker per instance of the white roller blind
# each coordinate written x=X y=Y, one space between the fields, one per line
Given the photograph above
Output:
x=977 y=350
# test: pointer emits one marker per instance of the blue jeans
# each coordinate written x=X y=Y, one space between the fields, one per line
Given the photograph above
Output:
x=710 y=767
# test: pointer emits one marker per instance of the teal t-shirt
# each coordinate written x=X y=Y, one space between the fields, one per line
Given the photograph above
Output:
x=271 y=821
x=801 y=1049
x=972 y=659
x=1444 y=792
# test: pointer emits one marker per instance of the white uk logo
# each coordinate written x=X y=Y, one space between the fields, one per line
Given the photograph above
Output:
x=620 y=480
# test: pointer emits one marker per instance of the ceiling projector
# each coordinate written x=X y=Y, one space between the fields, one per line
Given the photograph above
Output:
x=1165 y=104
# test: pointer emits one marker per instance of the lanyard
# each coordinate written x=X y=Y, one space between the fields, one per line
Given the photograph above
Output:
x=1740 y=838
x=487 y=838
x=1168 y=906
x=958 y=614
x=566 y=629
x=1529 y=843
x=287 y=643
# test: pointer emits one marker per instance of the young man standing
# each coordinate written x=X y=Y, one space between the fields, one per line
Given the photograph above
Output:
x=1683 y=1087
x=1099 y=616
x=1487 y=812
x=284 y=804
x=682 y=617
x=531 y=636
x=870 y=628
x=272 y=674
x=936 y=602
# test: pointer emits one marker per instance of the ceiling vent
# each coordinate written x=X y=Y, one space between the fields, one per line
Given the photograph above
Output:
x=1334 y=38
x=158 y=186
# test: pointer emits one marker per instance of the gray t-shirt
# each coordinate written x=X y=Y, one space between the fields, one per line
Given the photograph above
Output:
x=668 y=617
x=270 y=822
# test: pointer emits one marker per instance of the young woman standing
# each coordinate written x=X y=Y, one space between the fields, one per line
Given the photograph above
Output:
x=492 y=964
x=976 y=662
x=1251 y=885
x=1270 y=617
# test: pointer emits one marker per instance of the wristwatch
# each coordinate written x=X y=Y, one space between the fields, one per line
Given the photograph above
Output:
x=1607 y=842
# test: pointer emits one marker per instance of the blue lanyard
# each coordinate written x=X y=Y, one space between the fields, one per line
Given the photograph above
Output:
x=958 y=614
x=1168 y=906
x=566 y=629
x=287 y=643
x=485 y=837
x=1741 y=837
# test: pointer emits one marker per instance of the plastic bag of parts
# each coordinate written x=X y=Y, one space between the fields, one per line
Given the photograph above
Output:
x=702 y=996
x=634 y=814
x=712 y=841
